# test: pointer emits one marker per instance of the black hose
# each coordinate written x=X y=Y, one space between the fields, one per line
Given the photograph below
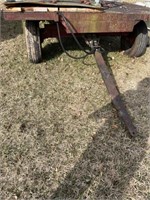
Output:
x=71 y=29
x=62 y=46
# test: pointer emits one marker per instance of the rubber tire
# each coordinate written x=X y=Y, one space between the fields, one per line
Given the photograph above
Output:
x=32 y=32
x=134 y=44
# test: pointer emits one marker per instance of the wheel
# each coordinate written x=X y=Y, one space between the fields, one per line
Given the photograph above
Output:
x=32 y=32
x=135 y=43
x=148 y=44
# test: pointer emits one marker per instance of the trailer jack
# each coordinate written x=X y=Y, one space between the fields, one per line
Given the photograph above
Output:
x=113 y=90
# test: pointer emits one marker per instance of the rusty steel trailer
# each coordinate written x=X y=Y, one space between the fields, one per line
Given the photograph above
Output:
x=83 y=18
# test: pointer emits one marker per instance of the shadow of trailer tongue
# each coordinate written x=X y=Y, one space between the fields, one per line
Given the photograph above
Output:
x=76 y=18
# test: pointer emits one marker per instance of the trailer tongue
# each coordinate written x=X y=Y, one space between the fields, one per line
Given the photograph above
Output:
x=85 y=17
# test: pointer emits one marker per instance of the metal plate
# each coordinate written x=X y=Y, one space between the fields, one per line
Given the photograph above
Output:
x=52 y=4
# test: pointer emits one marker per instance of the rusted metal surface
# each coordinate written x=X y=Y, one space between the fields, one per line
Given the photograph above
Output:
x=101 y=22
x=37 y=16
x=128 y=8
x=88 y=23
x=120 y=18
x=114 y=93
x=50 y=31
x=61 y=3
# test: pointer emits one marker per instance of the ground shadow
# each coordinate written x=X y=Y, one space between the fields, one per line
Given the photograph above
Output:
x=9 y=29
x=111 y=159
x=53 y=49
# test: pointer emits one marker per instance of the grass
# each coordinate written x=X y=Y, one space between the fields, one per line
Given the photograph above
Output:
x=60 y=136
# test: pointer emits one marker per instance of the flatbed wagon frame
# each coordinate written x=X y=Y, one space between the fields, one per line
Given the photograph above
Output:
x=118 y=18
x=112 y=18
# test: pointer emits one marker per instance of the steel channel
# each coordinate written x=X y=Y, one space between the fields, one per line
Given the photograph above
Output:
x=113 y=90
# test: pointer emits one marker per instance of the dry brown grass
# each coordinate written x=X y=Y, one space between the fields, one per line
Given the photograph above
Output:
x=60 y=136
